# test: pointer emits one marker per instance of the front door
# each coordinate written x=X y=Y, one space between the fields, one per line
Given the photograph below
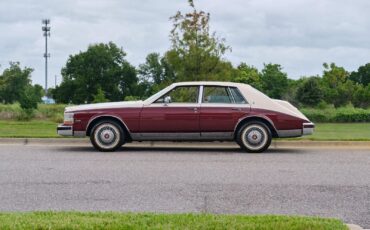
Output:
x=173 y=116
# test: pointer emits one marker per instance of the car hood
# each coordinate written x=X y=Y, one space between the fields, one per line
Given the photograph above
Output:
x=107 y=105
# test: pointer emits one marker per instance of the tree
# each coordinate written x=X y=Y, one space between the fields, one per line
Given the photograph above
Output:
x=101 y=66
x=362 y=75
x=65 y=92
x=310 y=92
x=334 y=75
x=100 y=96
x=196 y=52
x=13 y=82
x=274 y=81
x=361 y=97
x=249 y=75
x=39 y=92
x=30 y=97
x=152 y=70
x=154 y=74
x=338 y=89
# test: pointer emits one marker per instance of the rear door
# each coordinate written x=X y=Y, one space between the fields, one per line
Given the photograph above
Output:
x=221 y=109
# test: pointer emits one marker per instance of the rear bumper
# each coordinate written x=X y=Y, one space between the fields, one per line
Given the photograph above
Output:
x=65 y=130
x=308 y=128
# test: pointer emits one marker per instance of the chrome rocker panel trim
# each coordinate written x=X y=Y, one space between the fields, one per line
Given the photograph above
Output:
x=182 y=136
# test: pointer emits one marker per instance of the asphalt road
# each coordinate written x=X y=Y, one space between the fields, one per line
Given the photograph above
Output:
x=327 y=183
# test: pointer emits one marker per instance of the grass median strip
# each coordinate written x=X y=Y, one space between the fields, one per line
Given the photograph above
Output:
x=36 y=128
x=114 y=220
x=340 y=132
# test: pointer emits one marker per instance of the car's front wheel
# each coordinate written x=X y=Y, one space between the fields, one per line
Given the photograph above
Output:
x=107 y=136
x=254 y=137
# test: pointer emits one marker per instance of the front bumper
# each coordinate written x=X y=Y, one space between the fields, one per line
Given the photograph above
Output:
x=308 y=128
x=65 y=130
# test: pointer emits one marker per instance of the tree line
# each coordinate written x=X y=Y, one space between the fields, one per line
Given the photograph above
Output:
x=102 y=72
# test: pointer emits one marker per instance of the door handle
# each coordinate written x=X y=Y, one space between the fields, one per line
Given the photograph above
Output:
x=194 y=109
x=237 y=109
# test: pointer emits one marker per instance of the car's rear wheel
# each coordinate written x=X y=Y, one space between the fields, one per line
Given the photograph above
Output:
x=254 y=137
x=107 y=136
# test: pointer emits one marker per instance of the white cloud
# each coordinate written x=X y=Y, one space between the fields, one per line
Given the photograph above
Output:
x=298 y=34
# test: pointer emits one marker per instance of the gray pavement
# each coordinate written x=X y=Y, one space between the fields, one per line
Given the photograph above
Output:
x=300 y=181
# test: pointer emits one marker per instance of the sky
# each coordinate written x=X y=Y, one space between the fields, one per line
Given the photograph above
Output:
x=300 y=35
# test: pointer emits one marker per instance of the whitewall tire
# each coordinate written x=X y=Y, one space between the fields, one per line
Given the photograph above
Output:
x=254 y=137
x=107 y=136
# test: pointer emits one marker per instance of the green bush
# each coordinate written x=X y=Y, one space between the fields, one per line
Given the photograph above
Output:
x=343 y=114
x=50 y=111
x=43 y=112
x=25 y=115
x=9 y=111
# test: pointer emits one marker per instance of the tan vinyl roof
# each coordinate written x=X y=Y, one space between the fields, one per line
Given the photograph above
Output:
x=220 y=83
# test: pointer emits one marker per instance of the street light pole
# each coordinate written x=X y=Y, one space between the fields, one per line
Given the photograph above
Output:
x=46 y=30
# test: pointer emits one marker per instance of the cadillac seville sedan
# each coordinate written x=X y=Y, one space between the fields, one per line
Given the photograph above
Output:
x=189 y=111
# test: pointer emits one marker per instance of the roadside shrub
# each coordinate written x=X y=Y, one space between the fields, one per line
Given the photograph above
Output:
x=25 y=115
x=343 y=114
x=43 y=112
x=9 y=111
x=57 y=118
x=50 y=111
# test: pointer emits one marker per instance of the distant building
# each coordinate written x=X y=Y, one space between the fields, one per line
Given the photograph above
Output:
x=47 y=100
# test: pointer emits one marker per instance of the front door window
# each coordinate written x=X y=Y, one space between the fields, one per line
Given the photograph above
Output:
x=181 y=94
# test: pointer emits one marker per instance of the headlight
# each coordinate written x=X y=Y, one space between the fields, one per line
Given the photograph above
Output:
x=68 y=118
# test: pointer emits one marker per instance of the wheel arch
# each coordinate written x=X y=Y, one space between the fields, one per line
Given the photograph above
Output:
x=264 y=120
x=93 y=121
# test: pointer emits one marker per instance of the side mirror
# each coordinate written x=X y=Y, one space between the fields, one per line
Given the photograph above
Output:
x=167 y=99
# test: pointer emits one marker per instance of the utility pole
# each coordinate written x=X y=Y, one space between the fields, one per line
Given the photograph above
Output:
x=46 y=30
x=55 y=81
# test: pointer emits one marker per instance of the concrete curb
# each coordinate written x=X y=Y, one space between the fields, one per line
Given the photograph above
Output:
x=274 y=144
x=355 y=227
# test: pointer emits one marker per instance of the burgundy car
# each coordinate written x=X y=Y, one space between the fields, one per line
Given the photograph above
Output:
x=189 y=111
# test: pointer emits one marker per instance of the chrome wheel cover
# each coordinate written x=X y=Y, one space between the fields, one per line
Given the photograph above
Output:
x=107 y=136
x=254 y=137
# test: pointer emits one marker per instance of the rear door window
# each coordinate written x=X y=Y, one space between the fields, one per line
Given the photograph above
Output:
x=216 y=94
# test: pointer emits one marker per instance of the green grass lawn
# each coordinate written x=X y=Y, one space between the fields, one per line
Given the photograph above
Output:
x=111 y=220
x=340 y=131
x=323 y=131
x=35 y=128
